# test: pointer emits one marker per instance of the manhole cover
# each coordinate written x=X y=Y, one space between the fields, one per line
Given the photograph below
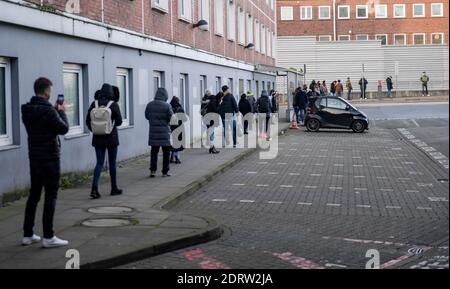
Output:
x=415 y=251
x=106 y=223
x=110 y=210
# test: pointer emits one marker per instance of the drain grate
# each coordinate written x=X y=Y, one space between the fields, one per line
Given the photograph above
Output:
x=110 y=210
x=107 y=223
x=415 y=251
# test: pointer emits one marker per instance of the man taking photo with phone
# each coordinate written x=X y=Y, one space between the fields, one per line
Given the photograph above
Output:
x=43 y=122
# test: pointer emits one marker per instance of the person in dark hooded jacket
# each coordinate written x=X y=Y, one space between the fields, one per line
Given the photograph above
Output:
x=43 y=122
x=159 y=113
x=228 y=107
x=108 y=142
x=244 y=108
x=177 y=108
x=264 y=106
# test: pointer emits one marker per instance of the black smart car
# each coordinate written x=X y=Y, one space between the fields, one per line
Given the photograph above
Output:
x=334 y=112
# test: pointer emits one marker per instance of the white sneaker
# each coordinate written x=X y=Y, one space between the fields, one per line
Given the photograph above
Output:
x=26 y=241
x=54 y=242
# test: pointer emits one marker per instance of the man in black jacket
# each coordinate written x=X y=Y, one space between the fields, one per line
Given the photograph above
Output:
x=300 y=104
x=210 y=105
x=228 y=107
x=43 y=123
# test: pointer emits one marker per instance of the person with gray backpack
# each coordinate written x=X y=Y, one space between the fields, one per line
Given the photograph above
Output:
x=102 y=119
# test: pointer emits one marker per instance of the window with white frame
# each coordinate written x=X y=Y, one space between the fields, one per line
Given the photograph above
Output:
x=203 y=84
x=250 y=28
x=263 y=40
x=399 y=11
x=344 y=12
x=269 y=42
x=400 y=39
x=123 y=83
x=203 y=10
x=73 y=96
x=437 y=38
x=218 y=17
x=380 y=11
x=362 y=37
x=437 y=9
x=324 y=12
x=161 y=5
x=241 y=26
x=306 y=12
x=6 y=137
x=287 y=13
x=419 y=38
x=158 y=80
x=344 y=37
x=218 y=84
x=183 y=91
x=231 y=23
x=325 y=38
x=185 y=10
x=362 y=11
x=419 y=10
x=257 y=36
x=382 y=38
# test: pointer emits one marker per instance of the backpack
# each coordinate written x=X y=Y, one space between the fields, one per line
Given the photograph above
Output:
x=101 y=119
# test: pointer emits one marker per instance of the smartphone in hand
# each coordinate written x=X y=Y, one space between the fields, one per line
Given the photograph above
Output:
x=60 y=100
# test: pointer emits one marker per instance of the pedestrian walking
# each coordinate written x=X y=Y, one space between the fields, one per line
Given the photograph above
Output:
x=178 y=111
x=425 y=79
x=333 y=88
x=339 y=88
x=245 y=108
x=274 y=100
x=251 y=99
x=349 y=86
x=159 y=113
x=363 y=87
x=264 y=107
x=228 y=107
x=301 y=102
x=102 y=120
x=389 y=85
x=43 y=122
x=211 y=104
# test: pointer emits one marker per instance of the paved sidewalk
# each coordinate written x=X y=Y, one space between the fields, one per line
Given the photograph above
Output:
x=443 y=98
x=152 y=229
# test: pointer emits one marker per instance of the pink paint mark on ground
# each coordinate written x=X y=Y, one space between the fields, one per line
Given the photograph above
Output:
x=298 y=262
x=400 y=259
x=204 y=261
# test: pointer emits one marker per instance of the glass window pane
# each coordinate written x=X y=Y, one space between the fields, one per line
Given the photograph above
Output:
x=324 y=12
x=336 y=104
x=419 y=39
x=418 y=10
x=382 y=38
x=399 y=11
x=2 y=101
x=71 y=95
x=343 y=12
x=122 y=85
x=362 y=12
x=399 y=39
x=436 y=9
x=437 y=38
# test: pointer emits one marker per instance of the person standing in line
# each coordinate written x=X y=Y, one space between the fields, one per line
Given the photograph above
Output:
x=349 y=86
x=245 y=108
x=325 y=88
x=274 y=101
x=312 y=86
x=177 y=108
x=228 y=106
x=301 y=102
x=363 y=87
x=211 y=105
x=103 y=140
x=44 y=123
x=333 y=88
x=339 y=88
x=251 y=99
x=159 y=113
x=425 y=79
x=390 y=86
x=264 y=107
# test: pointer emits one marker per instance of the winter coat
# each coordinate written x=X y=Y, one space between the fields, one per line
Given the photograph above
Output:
x=251 y=99
x=333 y=88
x=389 y=83
x=263 y=104
x=349 y=85
x=43 y=124
x=211 y=103
x=301 y=100
x=244 y=106
x=361 y=83
x=177 y=109
x=228 y=105
x=111 y=140
x=159 y=113
x=274 y=103
x=339 y=88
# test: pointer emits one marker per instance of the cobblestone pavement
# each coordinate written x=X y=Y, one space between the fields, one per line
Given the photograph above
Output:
x=326 y=200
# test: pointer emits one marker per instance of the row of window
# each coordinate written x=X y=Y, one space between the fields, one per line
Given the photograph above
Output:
x=76 y=96
x=362 y=11
x=398 y=39
x=249 y=30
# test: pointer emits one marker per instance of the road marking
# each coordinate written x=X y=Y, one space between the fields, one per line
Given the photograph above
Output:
x=416 y=173
x=408 y=163
x=220 y=200
x=382 y=178
x=412 y=191
x=424 y=185
x=322 y=156
x=300 y=164
x=393 y=207
x=286 y=186
x=364 y=206
x=404 y=179
x=273 y=173
x=333 y=205
x=386 y=190
x=335 y=188
x=310 y=187
x=358 y=166
x=294 y=174
x=316 y=175
x=438 y=199
x=337 y=176
x=424 y=208
x=360 y=189
x=359 y=177
x=338 y=165
x=339 y=157
x=282 y=164
x=304 y=204
x=374 y=158
x=356 y=158
x=262 y=185
x=335 y=265
x=415 y=122
x=252 y=173
x=377 y=167
x=262 y=163
x=318 y=165
x=275 y=202
x=238 y=185
x=293 y=150
x=304 y=156
x=247 y=201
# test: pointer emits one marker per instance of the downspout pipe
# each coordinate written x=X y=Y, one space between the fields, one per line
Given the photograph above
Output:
x=334 y=20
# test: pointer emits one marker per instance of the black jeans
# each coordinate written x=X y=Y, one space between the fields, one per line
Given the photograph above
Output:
x=425 y=88
x=154 y=158
x=44 y=173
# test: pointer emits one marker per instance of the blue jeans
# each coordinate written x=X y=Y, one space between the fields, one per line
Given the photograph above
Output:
x=349 y=94
x=226 y=124
x=174 y=154
x=389 y=94
x=112 y=157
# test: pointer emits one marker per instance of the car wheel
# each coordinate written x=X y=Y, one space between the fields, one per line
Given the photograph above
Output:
x=313 y=125
x=358 y=126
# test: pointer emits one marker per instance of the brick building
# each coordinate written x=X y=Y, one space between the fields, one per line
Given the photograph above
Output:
x=139 y=45
x=393 y=22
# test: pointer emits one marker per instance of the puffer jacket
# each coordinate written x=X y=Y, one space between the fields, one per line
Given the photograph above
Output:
x=105 y=95
x=264 y=104
x=159 y=113
x=228 y=105
x=43 y=124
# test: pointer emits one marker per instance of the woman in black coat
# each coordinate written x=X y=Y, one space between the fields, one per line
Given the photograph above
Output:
x=244 y=108
x=109 y=142
x=177 y=109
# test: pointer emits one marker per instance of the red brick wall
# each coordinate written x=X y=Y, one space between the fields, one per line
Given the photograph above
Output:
x=370 y=26
x=128 y=14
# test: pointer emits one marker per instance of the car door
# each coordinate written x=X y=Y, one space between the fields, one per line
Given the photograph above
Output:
x=337 y=113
